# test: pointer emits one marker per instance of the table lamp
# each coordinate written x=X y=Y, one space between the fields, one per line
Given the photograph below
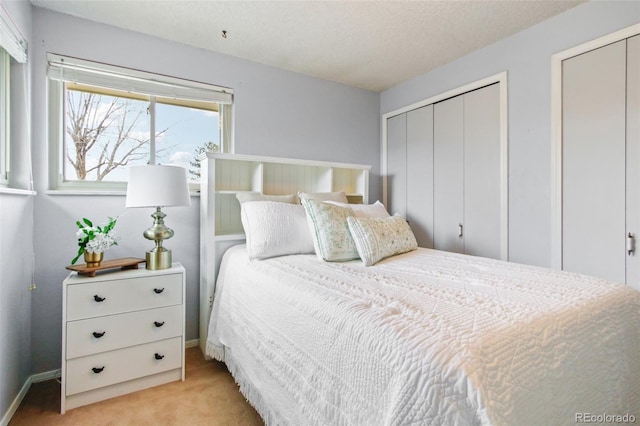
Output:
x=157 y=186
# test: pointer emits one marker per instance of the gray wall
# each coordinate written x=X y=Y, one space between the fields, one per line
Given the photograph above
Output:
x=16 y=263
x=16 y=234
x=277 y=113
x=526 y=57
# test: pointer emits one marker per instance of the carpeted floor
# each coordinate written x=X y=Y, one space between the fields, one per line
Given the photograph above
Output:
x=208 y=396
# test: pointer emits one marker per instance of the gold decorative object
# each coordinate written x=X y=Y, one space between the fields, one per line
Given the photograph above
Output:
x=93 y=259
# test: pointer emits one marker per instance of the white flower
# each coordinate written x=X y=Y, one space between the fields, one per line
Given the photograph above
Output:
x=101 y=242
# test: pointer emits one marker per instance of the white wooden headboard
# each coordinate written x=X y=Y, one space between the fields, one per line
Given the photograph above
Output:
x=224 y=175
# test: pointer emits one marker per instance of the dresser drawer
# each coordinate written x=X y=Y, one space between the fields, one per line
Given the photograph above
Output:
x=104 y=369
x=89 y=300
x=90 y=336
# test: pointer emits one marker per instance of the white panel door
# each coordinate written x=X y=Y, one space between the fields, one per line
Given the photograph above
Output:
x=482 y=228
x=593 y=163
x=397 y=164
x=633 y=158
x=420 y=174
x=448 y=174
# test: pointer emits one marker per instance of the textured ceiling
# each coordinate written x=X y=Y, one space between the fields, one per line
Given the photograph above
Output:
x=368 y=44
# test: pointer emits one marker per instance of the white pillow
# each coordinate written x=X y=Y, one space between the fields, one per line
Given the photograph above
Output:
x=275 y=229
x=376 y=209
x=377 y=238
x=330 y=230
x=246 y=197
x=340 y=196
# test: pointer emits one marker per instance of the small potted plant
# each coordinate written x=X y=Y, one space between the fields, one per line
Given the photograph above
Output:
x=93 y=241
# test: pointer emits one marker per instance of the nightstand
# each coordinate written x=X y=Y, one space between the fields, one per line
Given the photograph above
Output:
x=121 y=332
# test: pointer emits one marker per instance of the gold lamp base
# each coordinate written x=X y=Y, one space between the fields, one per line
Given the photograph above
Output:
x=158 y=259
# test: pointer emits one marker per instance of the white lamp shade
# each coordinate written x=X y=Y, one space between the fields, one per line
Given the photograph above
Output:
x=157 y=186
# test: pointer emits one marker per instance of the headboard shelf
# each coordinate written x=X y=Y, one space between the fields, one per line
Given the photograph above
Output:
x=225 y=175
x=230 y=237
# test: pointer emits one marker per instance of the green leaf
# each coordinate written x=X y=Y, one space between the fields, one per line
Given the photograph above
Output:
x=80 y=252
x=87 y=221
x=109 y=226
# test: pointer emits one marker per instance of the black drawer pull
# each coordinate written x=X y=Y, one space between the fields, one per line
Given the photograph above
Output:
x=158 y=324
x=98 y=335
x=97 y=370
x=98 y=298
x=158 y=290
x=158 y=356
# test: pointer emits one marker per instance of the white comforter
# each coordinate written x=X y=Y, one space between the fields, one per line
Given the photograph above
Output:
x=427 y=337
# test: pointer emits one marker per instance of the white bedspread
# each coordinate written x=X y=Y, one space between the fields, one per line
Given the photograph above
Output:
x=427 y=337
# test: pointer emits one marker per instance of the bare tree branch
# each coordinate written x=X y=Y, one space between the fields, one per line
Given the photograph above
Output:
x=104 y=122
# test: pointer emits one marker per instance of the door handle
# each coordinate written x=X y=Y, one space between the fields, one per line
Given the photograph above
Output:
x=460 y=229
x=630 y=244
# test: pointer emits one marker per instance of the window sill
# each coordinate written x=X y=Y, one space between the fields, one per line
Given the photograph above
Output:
x=97 y=193
x=83 y=192
x=16 y=191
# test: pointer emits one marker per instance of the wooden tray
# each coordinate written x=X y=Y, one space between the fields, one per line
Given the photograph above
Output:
x=124 y=263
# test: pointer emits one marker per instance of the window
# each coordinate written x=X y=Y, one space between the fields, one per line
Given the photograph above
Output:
x=104 y=119
x=5 y=80
x=13 y=49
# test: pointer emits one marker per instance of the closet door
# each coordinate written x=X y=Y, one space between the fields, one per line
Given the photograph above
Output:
x=445 y=171
x=482 y=213
x=633 y=158
x=448 y=174
x=420 y=174
x=467 y=166
x=397 y=164
x=593 y=163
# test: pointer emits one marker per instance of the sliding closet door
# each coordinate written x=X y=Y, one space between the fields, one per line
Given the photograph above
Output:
x=482 y=228
x=420 y=174
x=397 y=164
x=448 y=174
x=593 y=162
x=633 y=157
x=445 y=171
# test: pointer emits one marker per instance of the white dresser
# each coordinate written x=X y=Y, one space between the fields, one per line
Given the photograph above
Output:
x=121 y=332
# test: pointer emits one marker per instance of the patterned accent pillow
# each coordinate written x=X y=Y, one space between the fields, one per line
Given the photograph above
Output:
x=376 y=209
x=338 y=196
x=331 y=237
x=377 y=238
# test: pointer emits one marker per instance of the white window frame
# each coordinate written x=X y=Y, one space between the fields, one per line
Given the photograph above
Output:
x=5 y=115
x=62 y=69
x=13 y=45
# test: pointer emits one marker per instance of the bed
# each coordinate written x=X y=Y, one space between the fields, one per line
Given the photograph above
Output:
x=420 y=336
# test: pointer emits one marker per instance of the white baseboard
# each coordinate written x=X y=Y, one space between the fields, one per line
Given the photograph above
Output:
x=35 y=378
x=48 y=375
x=16 y=403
